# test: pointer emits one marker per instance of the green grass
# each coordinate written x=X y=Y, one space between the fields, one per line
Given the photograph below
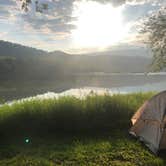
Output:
x=69 y=114
x=70 y=131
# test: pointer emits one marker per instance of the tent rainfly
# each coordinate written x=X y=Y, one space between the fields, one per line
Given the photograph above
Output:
x=149 y=122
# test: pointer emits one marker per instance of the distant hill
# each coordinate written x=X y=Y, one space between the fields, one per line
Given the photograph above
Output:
x=111 y=63
x=19 y=62
x=13 y=49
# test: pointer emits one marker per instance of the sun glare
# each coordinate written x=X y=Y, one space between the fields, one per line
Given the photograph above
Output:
x=97 y=24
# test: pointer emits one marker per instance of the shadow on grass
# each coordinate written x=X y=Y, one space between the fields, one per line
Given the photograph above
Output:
x=116 y=148
x=69 y=115
x=70 y=131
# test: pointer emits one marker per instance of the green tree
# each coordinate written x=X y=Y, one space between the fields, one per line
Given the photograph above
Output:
x=39 y=7
x=24 y=5
x=154 y=34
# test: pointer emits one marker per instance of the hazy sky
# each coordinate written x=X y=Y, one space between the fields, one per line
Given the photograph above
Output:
x=74 y=25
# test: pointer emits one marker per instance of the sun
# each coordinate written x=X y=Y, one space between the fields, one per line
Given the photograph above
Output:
x=97 y=25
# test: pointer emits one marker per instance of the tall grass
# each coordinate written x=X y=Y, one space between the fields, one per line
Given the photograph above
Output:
x=30 y=119
x=70 y=115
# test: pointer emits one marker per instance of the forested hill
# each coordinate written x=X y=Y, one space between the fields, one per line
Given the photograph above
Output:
x=19 y=62
x=12 y=49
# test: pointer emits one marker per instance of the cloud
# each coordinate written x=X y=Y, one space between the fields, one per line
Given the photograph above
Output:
x=55 y=20
x=132 y=2
x=3 y=34
x=142 y=11
x=4 y=14
x=6 y=7
x=121 y=2
x=58 y=16
x=52 y=24
x=55 y=23
x=113 y=2
x=7 y=2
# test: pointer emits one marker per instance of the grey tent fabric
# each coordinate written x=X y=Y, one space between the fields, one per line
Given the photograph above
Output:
x=149 y=122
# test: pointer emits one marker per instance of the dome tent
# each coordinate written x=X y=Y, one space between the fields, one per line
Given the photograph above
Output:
x=149 y=122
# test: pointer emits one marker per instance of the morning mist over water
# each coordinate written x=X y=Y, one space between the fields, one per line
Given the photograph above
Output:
x=30 y=71
x=83 y=48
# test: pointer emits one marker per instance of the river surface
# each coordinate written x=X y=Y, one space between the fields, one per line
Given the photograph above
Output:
x=114 y=82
